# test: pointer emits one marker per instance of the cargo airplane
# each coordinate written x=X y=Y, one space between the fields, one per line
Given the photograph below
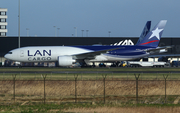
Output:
x=69 y=55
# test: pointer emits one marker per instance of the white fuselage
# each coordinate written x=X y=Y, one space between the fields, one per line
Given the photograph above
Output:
x=51 y=53
x=42 y=53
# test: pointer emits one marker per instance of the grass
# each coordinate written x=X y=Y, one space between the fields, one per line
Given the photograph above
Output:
x=120 y=91
x=88 y=91
x=85 y=107
x=52 y=73
x=88 y=76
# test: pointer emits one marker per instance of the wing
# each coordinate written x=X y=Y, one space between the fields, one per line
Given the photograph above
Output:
x=91 y=55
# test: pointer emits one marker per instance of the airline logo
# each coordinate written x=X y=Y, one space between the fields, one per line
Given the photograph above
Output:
x=155 y=33
x=125 y=42
x=40 y=53
x=149 y=42
x=43 y=55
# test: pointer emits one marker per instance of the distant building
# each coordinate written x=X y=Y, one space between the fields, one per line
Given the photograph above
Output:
x=3 y=22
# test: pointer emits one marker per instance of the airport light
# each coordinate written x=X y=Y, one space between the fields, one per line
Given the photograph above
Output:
x=55 y=30
x=109 y=33
x=87 y=33
x=58 y=31
x=75 y=28
x=19 y=45
x=27 y=31
x=82 y=32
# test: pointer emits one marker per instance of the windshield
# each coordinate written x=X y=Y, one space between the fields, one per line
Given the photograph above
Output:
x=9 y=53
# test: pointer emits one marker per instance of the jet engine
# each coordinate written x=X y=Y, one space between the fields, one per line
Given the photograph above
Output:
x=66 y=60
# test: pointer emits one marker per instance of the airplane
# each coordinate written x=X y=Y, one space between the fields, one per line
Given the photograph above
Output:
x=69 y=55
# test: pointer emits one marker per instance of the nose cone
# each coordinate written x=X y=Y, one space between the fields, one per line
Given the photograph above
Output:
x=6 y=56
x=9 y=55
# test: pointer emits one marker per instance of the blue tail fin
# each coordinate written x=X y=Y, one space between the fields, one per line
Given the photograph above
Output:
x=145 y=31
x=152 y=38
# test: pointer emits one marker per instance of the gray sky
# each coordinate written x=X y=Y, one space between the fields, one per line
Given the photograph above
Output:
x=124 y=18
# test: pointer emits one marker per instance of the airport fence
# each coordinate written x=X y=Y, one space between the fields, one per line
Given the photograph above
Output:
x=101 y=89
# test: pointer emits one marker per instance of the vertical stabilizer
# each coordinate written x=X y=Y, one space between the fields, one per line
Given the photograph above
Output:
x=152 y=38
x=145 y=31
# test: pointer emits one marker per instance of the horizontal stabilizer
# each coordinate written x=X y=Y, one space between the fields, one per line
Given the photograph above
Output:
x=160 y=48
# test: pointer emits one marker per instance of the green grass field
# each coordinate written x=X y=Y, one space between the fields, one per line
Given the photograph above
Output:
x=3 y=69
x=88 y=107
x=52 y=73
x=89 y=76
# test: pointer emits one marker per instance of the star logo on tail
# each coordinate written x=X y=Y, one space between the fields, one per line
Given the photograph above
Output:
x=156 y=33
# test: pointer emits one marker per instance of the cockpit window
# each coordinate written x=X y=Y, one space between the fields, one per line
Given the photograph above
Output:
x=9 y=53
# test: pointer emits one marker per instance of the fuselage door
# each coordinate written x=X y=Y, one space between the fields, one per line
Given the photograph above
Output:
x=22 y=53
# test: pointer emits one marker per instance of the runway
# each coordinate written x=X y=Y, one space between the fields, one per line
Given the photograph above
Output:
x=75 y=72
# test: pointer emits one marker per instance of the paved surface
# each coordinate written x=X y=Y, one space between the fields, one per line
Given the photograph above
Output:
x=90 y=72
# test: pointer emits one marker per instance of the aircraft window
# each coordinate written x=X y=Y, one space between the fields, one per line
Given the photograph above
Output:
x=10 y=53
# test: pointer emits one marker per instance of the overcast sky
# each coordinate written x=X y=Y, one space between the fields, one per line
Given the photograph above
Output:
x=124 y=18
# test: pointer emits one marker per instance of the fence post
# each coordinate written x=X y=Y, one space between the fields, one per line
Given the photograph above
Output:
x=165 y=78
x=75 y=77
x=14 y=79
x=137 y=77
x=104 y=79
x=44 y=77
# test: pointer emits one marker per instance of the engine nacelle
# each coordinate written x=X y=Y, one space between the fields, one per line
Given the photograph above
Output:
x=66 y=60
